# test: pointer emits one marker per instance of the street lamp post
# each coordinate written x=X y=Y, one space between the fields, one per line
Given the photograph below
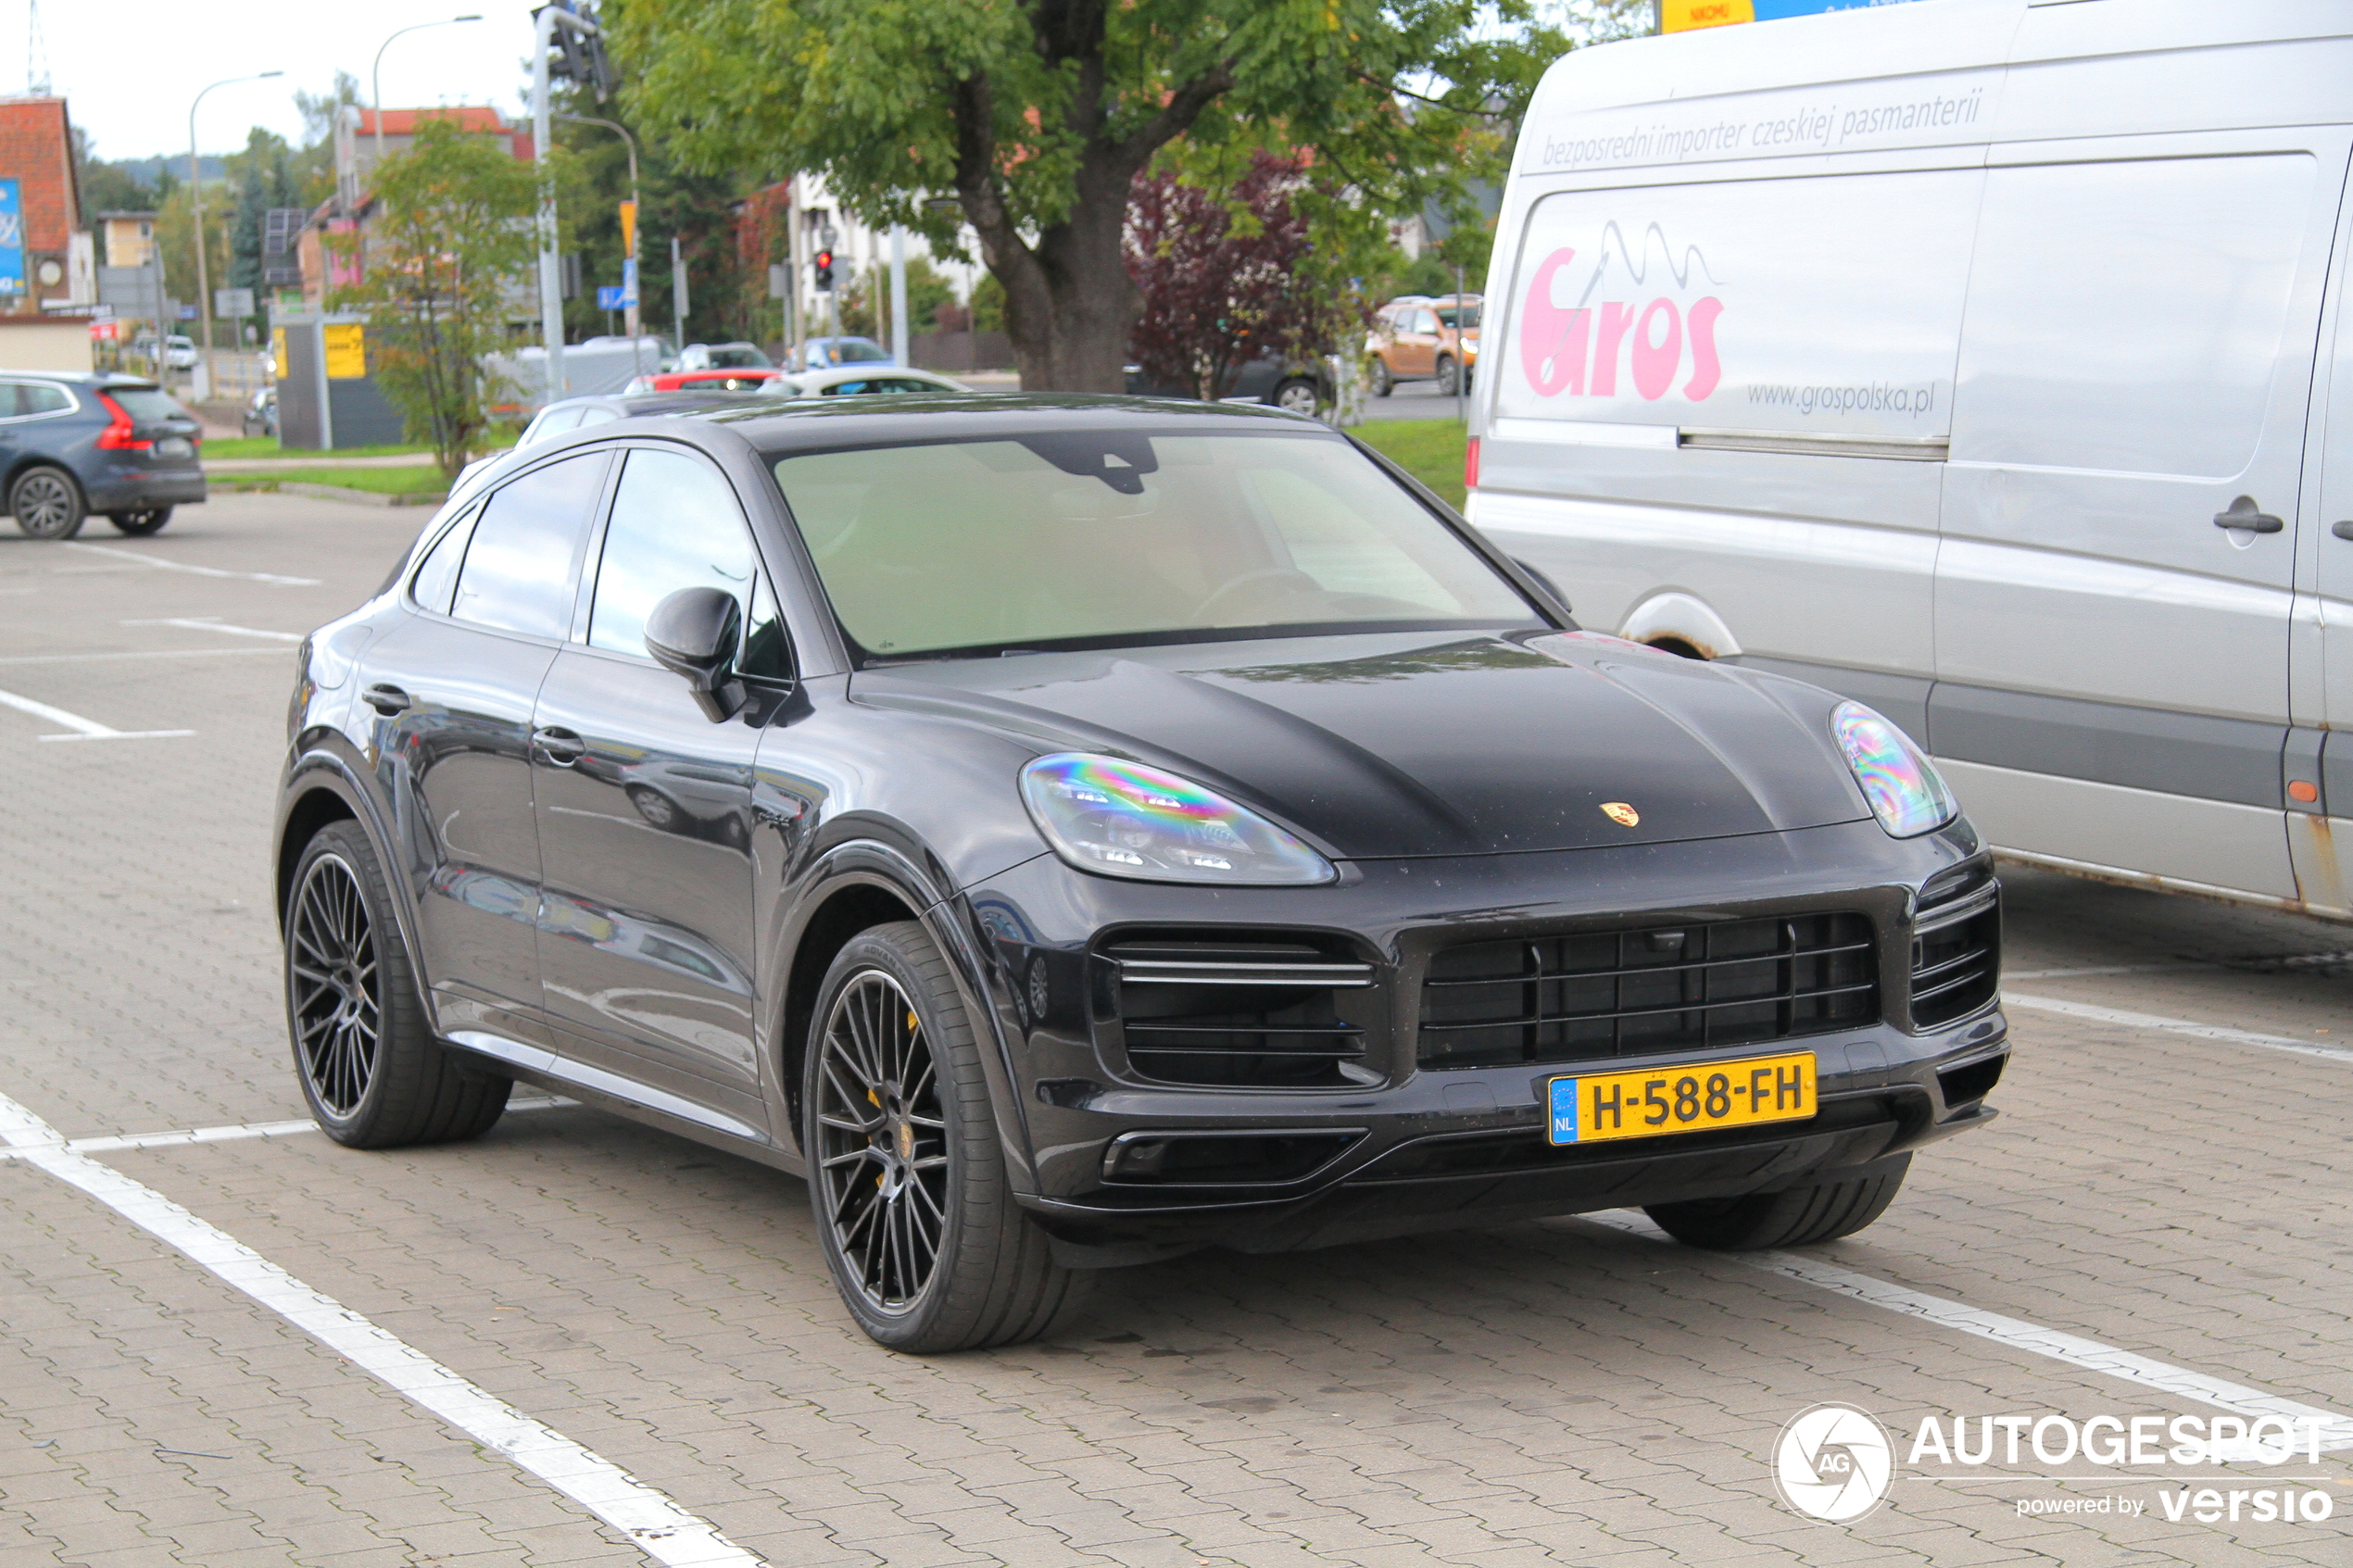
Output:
x=195 y=199
x=636 y=217
x=376 y=73
x=551 y=282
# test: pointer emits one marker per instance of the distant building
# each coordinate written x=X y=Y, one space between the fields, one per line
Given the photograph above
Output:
x=130 y=237
x=353 y=205
x=48 y=260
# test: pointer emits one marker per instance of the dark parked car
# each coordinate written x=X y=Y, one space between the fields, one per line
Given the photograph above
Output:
x=1069 y=831
x=74 y=443
x=1278 y=380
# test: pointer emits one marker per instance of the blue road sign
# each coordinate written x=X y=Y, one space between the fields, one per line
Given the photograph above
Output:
x=612 y=296
x=11 y=239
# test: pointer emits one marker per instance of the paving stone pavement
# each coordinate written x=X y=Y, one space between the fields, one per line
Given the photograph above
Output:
x=1555 y=1392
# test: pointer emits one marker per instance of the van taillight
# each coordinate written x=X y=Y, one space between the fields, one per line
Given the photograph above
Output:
x=1470 y=465
x=118 y=435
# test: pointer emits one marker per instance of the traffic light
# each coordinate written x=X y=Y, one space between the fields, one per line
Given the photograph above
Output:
x=581 y=58
x=826 y=269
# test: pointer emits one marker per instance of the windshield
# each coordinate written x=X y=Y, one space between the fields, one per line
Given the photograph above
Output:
x=1468 y=314
x=147 y=404
x=1093 y=538
x=741 y=357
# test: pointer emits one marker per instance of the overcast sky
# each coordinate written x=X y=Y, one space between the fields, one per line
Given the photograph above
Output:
x=129 y=67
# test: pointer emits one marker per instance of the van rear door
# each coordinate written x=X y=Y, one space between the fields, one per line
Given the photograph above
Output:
x=2115 y=578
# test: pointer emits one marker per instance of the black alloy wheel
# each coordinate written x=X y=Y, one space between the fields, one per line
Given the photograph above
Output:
x=47 y=503
x=334 y=985
x=139 y=524
x=882 y=1145
x=906 y=1175
x=364 y=1051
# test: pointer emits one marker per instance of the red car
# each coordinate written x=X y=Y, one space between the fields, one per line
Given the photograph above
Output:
x=744 y=377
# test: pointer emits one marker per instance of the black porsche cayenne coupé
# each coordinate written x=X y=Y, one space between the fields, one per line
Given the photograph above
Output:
x=1072 y=831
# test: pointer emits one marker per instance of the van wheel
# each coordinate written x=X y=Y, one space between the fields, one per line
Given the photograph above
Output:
x=1445 y=375
x=1383 y=383
x=47 y=503
x=1800 y=1217
x=927 y=1245
x=364 y=1054
x=139 y=524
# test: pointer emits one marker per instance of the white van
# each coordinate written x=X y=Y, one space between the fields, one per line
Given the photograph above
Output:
x=1990 y=361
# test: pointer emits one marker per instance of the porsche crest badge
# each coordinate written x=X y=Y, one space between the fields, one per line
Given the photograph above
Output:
x=1617 y=812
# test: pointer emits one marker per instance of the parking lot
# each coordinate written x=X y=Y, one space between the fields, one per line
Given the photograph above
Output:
x=2159 y=1226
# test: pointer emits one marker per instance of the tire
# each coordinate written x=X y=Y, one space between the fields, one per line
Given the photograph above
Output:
x=656 y=808
x=1296 y=396
x=1446 y=375
x=139 y=524
x=1383 y=383
x=1800 y=1217
x=47 y=503
x=364 y=1054
x=929 y=1249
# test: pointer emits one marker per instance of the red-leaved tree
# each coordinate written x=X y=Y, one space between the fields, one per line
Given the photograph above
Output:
x=1217 y=292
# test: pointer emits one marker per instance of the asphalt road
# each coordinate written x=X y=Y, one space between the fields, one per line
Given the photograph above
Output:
x=581 y=1341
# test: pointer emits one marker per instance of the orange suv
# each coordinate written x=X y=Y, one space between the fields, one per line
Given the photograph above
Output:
x=1419 y=338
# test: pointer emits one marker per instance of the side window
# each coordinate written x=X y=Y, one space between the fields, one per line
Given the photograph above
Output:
x=12 y=399
x=2129 y=316
x=520 y=564
x=675 y=524
x=37 y=399
x=437 y=574
x=1425 y=320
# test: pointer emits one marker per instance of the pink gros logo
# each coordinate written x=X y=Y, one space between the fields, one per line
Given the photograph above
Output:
x=1578 y=350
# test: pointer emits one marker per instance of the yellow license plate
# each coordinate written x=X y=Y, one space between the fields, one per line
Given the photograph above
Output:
x=1656 y=1101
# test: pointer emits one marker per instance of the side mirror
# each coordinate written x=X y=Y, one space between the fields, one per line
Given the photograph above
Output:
x=693 y=634
x=1546 y=584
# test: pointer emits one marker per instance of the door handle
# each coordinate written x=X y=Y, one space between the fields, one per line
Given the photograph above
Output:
x=2244 y=513
x=2342 y=530
x=387 y=700
x=561 y=746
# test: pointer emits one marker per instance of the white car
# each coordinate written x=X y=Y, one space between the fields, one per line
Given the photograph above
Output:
x=846 y=381
x=180 y=353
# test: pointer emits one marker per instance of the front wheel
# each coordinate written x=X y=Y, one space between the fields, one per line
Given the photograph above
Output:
x=1799 y=1217
x=1296 y=396
x=1446 y=377
x=1383 y=383
x=139 y=524
x=927 y=1245
x=47 y=503
x=364 y=1053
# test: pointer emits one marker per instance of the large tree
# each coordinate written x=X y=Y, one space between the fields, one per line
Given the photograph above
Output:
x=441 y=263
x=1030 y=120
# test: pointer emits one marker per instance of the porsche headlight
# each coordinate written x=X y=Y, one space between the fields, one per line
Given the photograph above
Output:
x=1906 y=794
x=1123 y=819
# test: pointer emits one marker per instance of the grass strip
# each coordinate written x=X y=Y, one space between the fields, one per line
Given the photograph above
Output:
x=1431 y=450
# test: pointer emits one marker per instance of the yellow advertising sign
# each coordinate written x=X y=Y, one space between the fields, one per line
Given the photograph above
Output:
x=628 y=228
x=1683 y=15
x=347 y=351
x=278 y=351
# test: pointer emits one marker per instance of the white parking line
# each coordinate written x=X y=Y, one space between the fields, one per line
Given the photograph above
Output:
x=179 y=1137
x=212 y=623
x=162 y=565
x=84 y=729
x=2176 y=1026
x=2336 y=1430
x=134 y=653
x=660 y=1529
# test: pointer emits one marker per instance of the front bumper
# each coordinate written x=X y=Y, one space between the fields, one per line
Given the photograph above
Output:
x=1409 y=1146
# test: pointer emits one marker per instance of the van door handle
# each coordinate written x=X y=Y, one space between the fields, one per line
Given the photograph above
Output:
x=562 y=746
x=387 y=700
x=2244 y=513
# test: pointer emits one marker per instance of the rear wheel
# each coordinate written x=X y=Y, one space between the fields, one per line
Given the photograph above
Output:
x=368 y=1065
x=927 y=1246
x=47 y=503
x=1799 y=1217
x=1296 y=396
x=140 y=523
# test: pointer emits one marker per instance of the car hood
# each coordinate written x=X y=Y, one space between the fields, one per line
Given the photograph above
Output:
x=1393 y=745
